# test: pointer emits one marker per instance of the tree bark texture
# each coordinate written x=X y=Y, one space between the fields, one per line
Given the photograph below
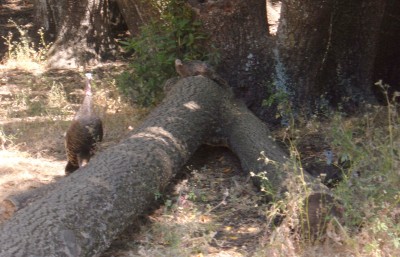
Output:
x=238 y=30
x=258 y=152
x=84 y=212
x=327 y=49
x=85 y=30
x=138 y=13
x=387 y=62
x=90 y=207
x=48 y=15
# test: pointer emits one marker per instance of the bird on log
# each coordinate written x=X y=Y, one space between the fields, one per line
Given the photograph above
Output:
x=84 y=133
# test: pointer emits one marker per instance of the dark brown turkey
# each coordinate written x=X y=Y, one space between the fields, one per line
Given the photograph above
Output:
x=84 y=133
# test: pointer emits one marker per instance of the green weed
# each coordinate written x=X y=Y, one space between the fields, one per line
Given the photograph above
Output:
x=175 y=35
x=370 y=187
x=366 y=149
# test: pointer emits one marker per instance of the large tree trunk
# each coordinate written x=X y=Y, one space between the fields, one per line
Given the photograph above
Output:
x=387 y=62
x=48 y=15
x=84 y=31
x=326 y=50
x=238 y=30
x=86 y=210
x=320 y=54
x=138 y=13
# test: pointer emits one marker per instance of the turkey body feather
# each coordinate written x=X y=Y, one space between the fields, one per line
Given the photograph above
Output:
x=84 y=133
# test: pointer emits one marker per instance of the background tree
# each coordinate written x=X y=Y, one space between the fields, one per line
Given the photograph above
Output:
x=238 y=30
x=328 y=49
x=328 y=52
x=84 y=32
x=387 y=58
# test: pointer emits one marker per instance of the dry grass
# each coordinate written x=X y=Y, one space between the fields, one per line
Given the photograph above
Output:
x=23 y=53
x=37 y=109
x=214 y=211
x=365 y=150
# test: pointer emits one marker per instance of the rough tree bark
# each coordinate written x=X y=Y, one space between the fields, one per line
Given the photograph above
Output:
x=387 y=62
x=237 y=29
x=86 y=210
x=239 y=32
x=327 y=48
x=138 y=13
x=84 y=31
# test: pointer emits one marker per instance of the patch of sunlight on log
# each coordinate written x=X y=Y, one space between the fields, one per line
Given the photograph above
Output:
x=192 y=106
x=158 y=133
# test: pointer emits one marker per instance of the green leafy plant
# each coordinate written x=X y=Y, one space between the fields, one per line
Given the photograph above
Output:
x=369 y=191
x=175 y=35
x=280 y=99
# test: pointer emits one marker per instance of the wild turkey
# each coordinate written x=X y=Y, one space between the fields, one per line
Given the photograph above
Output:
x=84 y=133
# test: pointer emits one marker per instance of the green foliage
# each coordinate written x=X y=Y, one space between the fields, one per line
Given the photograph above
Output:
x=372 y=179
x=280 y=98
x=175 y=35
x=370 y=189
x=366 y=149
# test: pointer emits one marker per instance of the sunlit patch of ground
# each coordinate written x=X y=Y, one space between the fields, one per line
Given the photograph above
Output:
x=36 y=110
x=19 y=171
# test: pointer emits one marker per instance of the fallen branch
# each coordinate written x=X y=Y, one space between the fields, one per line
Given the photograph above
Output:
x=82 y=213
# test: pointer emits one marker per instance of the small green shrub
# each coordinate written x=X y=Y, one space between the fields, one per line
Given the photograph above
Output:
x=175 y=35
x=369 y=191
x=371 y=147
x=280 y=99
x=366 y=149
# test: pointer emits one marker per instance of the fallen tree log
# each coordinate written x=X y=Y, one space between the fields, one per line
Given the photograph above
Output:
x=85 y=211
x=258 y=152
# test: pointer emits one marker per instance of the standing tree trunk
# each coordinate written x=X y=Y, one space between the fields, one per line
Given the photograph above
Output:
x=84 y=30
x=48 y=15
x=138 y=13
x=387 y=62
x=322 y=53
x=327 y=49
x=238 y=30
